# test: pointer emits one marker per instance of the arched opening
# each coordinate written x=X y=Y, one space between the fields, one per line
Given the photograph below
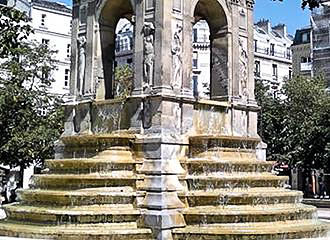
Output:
x=201 y=60
x=123 y=61
x=211 y=13
x=116 y=24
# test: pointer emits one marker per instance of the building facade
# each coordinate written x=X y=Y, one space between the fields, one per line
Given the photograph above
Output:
x=302 y=52
x=201 y=60
x=124 y=43
x=272 y=53
x=320 y=21
x=52 y=26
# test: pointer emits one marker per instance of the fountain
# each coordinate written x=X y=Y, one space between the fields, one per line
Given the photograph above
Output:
x=160 y=164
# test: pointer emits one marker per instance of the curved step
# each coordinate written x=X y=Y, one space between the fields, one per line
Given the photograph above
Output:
x=89 y=165
x=236 y=180
x=88 y=196
x=239 y=196
x=72 y=215
x=228 y=154
x=255 y=231
x=122 y=231
x=115 y=153
x=248 y=213
x=71 y=181
x=202 y=166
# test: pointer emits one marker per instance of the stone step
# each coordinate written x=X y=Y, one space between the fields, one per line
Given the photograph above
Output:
x=235 y=180
x=256 y=231
x=118 y=231
x=226 y=154
x=90 y=165
x=248 y=213
x=205 y=166
x=115 y=153
x=88 y=196
x=239 y=196
x=79 y=181
x=72 y=215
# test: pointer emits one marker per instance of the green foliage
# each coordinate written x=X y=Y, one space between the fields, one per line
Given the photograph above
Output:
x=296 y=123
x=30 y=118
x=123 y=81
x=14 y=29
x=307 y=3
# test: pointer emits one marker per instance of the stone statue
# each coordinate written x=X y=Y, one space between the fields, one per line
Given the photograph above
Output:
x=177 y=57
x=149 y=54
x=81 y=64
x=243 y=64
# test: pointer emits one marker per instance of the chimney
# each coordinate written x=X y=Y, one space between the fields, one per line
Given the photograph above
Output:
x=281 y=29
x=265 y=25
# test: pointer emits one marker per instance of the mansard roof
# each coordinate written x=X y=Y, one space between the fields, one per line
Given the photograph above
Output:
x=52 y=5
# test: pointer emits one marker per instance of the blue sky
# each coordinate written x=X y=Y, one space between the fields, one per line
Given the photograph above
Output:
x=288 y=12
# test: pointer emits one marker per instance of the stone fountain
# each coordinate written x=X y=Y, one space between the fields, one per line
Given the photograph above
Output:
x=160 y=164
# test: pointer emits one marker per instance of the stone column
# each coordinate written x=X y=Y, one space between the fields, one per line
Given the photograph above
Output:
x=161 y=142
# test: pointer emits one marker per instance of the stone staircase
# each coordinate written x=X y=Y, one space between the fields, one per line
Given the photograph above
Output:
x=231 y=195
x=227 y=194
x=92 y=198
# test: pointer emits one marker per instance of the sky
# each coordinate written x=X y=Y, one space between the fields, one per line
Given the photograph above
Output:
x=288 y=12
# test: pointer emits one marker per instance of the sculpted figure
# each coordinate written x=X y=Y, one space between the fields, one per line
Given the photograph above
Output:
x=149 y=53
x=243 y=60
x=177 y=57
x=81 y=64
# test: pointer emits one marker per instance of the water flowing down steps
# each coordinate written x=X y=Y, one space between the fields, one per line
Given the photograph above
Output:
x=85 y=198
x=231 y=195
x=228 y=194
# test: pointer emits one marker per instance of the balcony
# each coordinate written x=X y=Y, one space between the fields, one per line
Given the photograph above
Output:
x=278 y=54
x=306 y=66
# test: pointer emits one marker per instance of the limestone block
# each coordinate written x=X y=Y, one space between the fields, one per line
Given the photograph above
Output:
x=162 y=166
x=164 y=219
x=239 y=123
x=162 y=183
x=164 y=200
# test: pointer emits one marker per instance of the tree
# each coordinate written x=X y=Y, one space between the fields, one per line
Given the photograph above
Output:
x=296 y=123
x=30 y=118
x=310 y=3
x=123 y=81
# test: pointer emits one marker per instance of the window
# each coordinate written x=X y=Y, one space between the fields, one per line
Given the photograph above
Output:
x=290 y=73
x=275 y=70
x=305 y=37
x=256 y=45
x=129 y=61
x=68 y=50
x=195 y=35
x=272 y=49
x=66 y=77
x=288 y=53
x=195 y=60
x=257 y=68
x=45 y=41
x=43 y=19
x=195 y=85
x=303 y=60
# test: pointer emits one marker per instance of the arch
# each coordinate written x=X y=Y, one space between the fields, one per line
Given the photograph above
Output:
x=210 y=10
x=109 y=13
x=117 y=5
x=216 y=15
